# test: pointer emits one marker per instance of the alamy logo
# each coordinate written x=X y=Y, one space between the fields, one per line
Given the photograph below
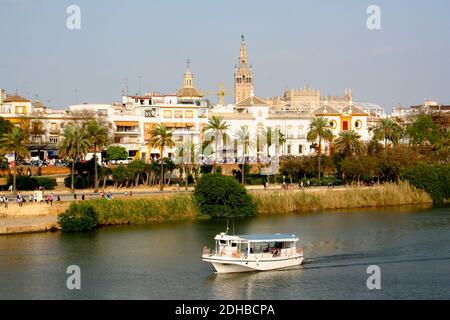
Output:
x=374 y=18
x=374 y=281
x=73 y=22
x=74 y=280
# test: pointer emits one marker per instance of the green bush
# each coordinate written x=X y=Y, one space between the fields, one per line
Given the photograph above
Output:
x=47 y=183
x=31 y=183
x=79 y=182
x=434 y=179
x=223 y=197
x=80 y=217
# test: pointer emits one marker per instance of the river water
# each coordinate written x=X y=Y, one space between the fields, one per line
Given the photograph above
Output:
x=162 y=261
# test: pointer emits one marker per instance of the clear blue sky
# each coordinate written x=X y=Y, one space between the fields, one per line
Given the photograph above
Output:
x=323 y=43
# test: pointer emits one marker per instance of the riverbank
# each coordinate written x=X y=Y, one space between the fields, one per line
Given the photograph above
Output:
x=332 y=199
x=181 y=206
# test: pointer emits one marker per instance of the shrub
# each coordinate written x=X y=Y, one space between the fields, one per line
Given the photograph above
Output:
x=47 y=183
x=80 y=217
x=31 y=183
x=223 y=197
x=434 y=179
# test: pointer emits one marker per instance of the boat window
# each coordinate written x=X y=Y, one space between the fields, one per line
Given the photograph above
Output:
x=234 y=244
x=223 y=242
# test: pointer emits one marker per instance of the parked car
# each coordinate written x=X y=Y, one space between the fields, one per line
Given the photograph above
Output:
x=125 y=161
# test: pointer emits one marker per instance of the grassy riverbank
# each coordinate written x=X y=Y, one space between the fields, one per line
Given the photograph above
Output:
x=139 y=210
x=351 y=197
x=182 y=206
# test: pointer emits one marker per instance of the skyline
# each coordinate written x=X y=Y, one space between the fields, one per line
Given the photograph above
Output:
x=405 y=62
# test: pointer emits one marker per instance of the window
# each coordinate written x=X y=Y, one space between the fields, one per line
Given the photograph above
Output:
x=300 y=148
x=333 y=124
x=189 y=114
x=358 y=124
x=289 y=149
x=178 y=114
x=102 y=112
x=345 y=125
x=150 y=113
x=53 y=139
x=167 y=114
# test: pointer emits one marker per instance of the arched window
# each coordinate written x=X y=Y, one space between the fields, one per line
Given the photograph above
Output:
x=289 y=147
x=358 y=124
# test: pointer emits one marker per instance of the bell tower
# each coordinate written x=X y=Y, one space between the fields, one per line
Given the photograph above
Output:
x=243 y=76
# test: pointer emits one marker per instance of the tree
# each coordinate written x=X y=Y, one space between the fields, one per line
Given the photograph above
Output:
x=244 y=140
x=160 y=138
x=319 y=130
x=98 y=137
x=119 y=175
x=116 y=153
x=348 y=143
x=13 y=142
x=5 y=126
x=387 y=130
x=442 y=145
x=74 y=144
x=185 y=157
x=137 y=167
x=216 y=129
x=223 y=197
x=422 y=131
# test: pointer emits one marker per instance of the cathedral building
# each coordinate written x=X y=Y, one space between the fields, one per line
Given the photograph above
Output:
x=243 y=76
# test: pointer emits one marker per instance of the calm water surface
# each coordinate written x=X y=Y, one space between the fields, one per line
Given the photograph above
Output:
x=411 y=246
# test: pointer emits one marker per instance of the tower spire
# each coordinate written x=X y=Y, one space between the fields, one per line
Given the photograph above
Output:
x=243 y=75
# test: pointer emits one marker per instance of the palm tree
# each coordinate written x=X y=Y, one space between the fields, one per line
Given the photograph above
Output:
x=266 y=139
x=186 y=156
x=98 y=138
x=74 y=144
x=280 y=138
x=319 y=130
x=348 y=143
x=243 y=139
x=216 y=129
x=160 y=138
x=13 y=142
x=386 y=130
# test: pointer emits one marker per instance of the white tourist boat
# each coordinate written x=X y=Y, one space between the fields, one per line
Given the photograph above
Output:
x=259 y=252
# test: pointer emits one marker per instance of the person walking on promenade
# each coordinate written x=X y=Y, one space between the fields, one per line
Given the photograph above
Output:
x=50 y=199
x=19 y=199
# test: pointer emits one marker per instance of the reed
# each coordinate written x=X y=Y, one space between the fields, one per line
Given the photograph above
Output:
x=390 y=194
x=167 y=207
x=141 y=210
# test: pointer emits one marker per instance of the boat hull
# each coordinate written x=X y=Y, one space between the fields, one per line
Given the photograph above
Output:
x=230 y=265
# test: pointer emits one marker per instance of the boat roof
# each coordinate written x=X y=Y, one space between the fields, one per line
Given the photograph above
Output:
x=259 y=237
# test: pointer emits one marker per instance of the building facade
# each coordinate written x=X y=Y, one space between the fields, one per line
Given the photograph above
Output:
x=186 y=112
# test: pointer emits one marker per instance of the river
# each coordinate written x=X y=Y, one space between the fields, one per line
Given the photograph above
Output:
x=162 y=261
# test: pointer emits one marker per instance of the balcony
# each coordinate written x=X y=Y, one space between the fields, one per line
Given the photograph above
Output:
x=127 y=132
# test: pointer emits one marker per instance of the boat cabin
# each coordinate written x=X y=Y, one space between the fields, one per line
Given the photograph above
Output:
x=259 y=245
